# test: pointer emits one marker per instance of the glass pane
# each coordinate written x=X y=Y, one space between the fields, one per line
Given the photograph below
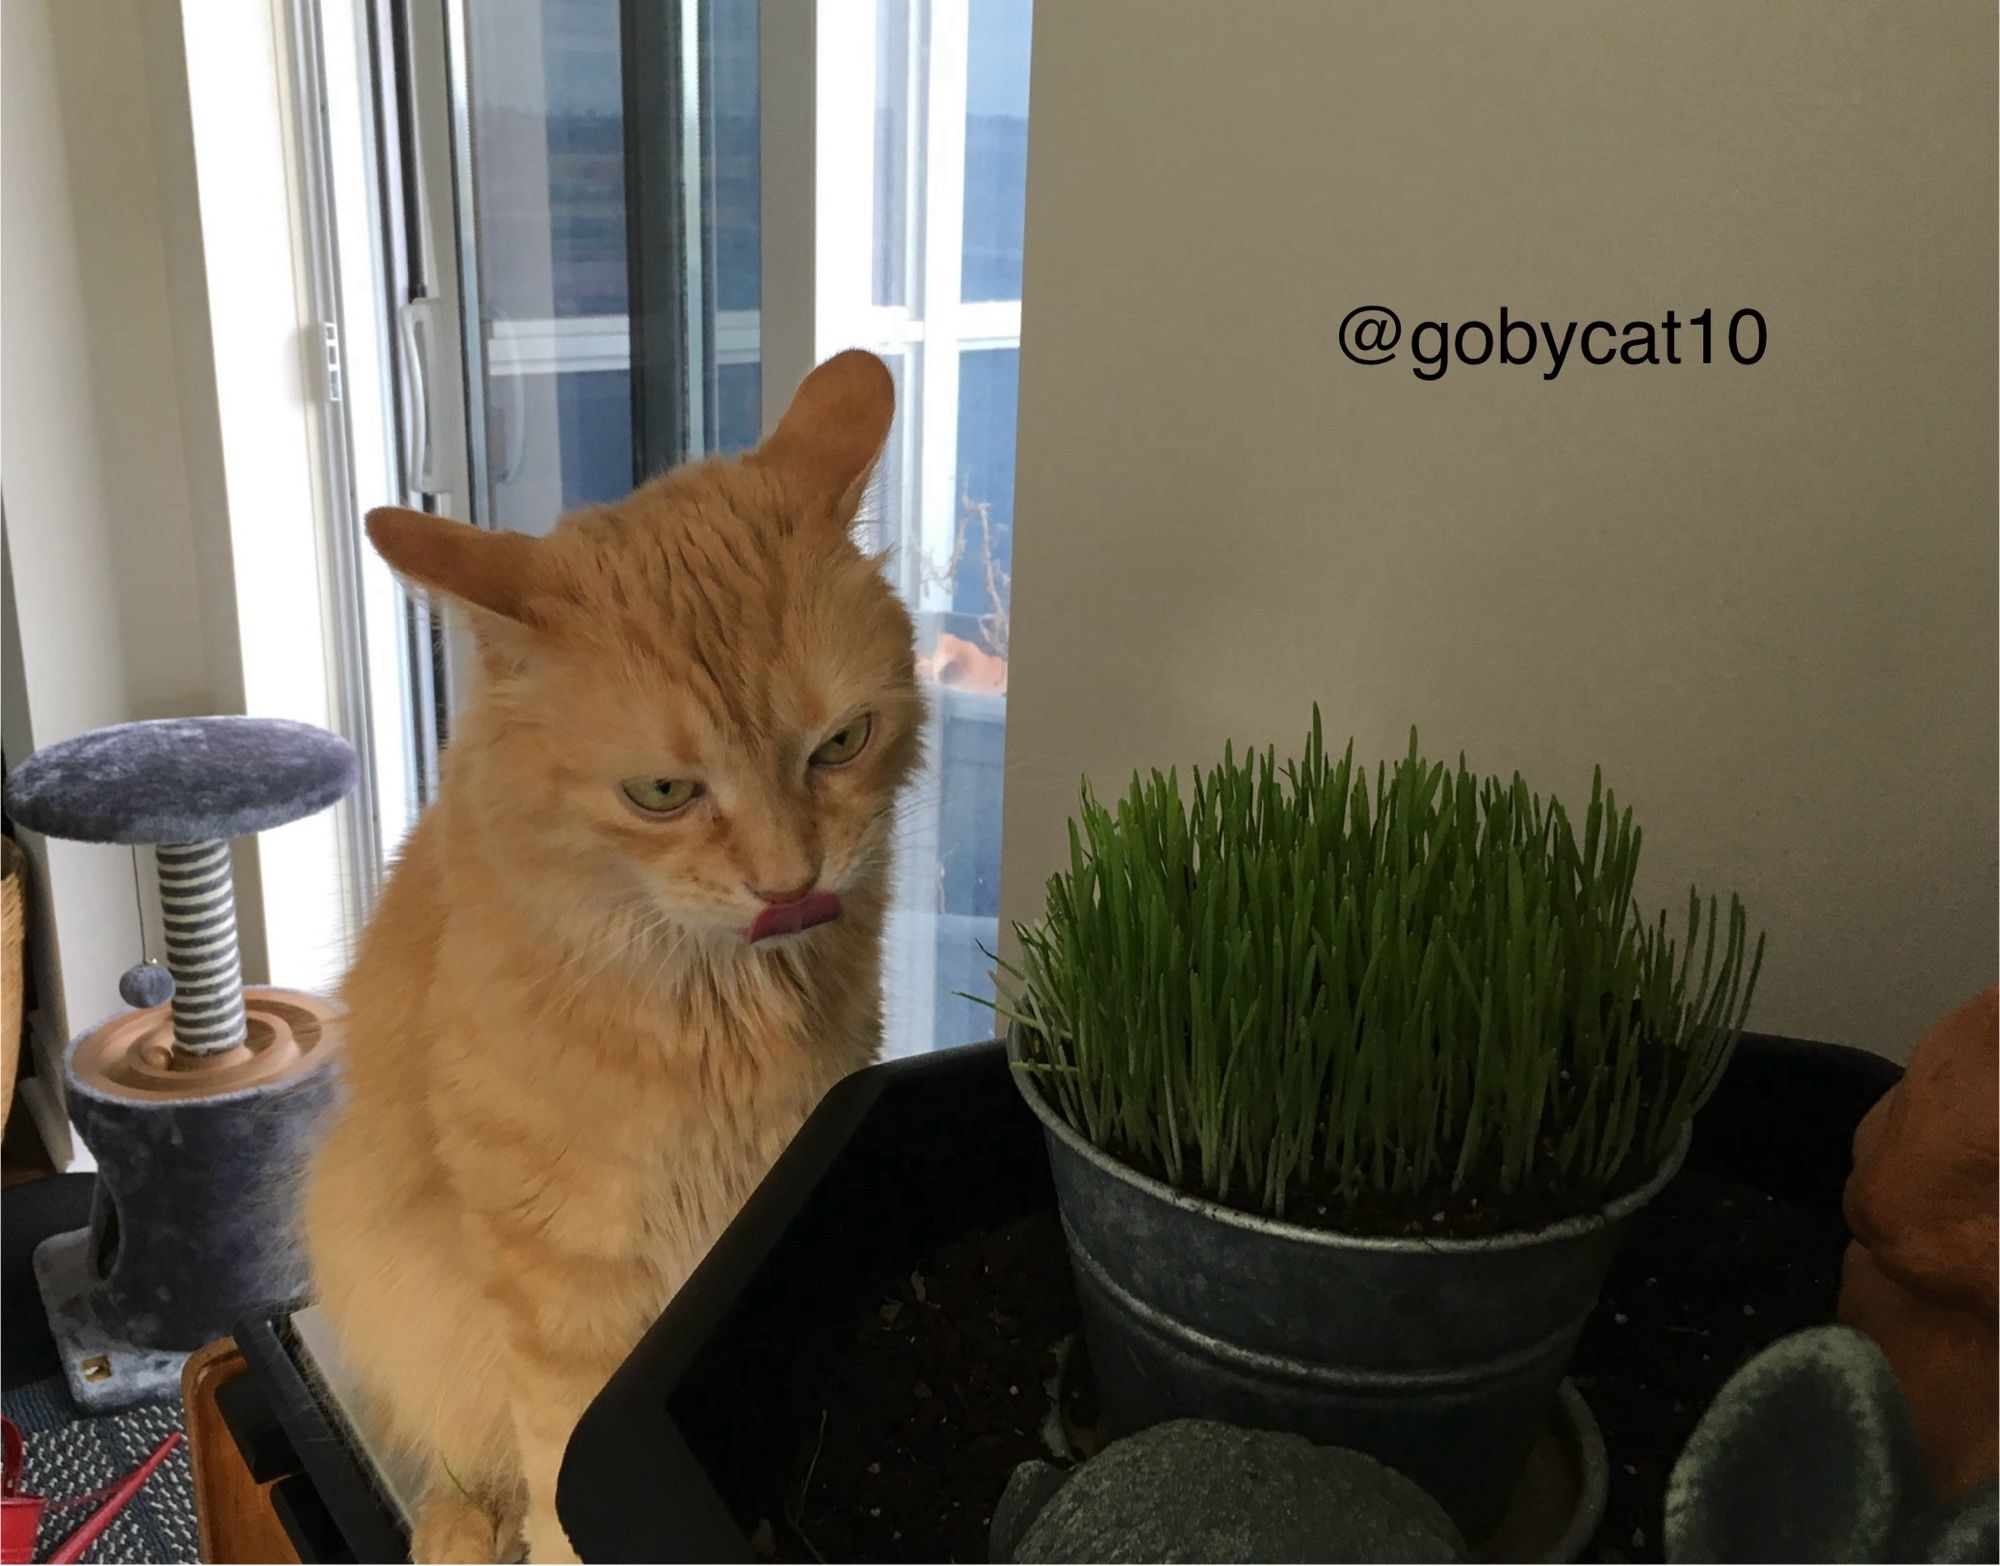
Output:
x=546 y=103
x=989 y=383
x=893 y=122
x=586 y=156
x=739 y=406
x=951 y=831
x=545 y=94
x=594 y=420
x=729 y=41
x=947 y=496
x=996 y=146
x=735 y=273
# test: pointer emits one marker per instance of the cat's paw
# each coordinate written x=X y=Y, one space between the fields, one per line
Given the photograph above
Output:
x=546 y=1540
x=451 y=1529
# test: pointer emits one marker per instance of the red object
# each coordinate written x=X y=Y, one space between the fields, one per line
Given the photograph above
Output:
x=23 y=1513
x=20 y=1515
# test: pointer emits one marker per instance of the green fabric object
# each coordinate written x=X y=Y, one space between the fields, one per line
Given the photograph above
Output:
x=1808 y=1454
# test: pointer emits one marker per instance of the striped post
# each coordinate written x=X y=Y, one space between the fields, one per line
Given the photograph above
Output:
x=198 y=907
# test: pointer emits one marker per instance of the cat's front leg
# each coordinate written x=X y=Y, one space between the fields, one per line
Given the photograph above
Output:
x=549 y=1395
x=455 y=1523
x=568 y=1280
x=571 y=1319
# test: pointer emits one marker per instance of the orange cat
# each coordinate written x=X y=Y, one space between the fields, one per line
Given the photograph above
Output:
x=626 y=951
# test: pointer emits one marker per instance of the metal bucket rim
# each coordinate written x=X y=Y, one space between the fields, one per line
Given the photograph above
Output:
x=1507 y=1240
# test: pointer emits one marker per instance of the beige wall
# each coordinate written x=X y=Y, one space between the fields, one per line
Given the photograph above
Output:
x=1763 y=598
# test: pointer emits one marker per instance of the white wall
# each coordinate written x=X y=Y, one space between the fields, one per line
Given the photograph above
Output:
x=225 y=90
x=160 y=508
x=1763 y=598
x=109 y=612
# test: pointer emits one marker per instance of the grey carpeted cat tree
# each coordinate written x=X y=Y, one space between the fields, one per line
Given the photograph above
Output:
x=199 y=1103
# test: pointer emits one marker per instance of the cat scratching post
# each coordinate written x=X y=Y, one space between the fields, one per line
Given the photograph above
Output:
x=200 y=1103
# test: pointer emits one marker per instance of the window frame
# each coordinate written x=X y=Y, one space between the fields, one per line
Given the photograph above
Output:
x=935 y=327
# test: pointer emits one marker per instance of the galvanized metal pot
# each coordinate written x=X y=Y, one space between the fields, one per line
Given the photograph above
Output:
x=1440 y=1357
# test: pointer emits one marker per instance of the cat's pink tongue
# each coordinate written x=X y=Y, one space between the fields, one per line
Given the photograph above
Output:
x=789 y=918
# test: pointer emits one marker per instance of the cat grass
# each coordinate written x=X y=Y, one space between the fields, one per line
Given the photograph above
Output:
x=1276 y=984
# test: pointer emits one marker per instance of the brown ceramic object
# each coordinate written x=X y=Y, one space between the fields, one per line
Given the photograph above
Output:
x=1923 y=1274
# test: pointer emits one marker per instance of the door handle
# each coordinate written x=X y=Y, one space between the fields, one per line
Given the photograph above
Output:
x=417 y=333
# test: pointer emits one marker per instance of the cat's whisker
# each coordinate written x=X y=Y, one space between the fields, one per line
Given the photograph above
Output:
x=588 y=949
x=606 y=952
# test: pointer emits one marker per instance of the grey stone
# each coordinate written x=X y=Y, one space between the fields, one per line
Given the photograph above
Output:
x=1028 y=1491
x=1807 y=1453
x=1966 y=1530
x=1196 y=1490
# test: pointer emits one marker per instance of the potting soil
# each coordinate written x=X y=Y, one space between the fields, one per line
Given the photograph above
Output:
x=950 y=1379
x=946 y=1384
x=1710 y=1272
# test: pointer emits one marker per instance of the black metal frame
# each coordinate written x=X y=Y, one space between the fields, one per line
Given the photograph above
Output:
x=662 y=216
x=397 y=180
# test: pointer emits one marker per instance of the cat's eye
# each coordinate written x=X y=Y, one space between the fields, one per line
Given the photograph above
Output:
x=843 y=747
x=661 y=796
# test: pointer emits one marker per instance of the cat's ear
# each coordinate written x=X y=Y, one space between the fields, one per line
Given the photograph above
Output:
x=498 y=572
x=835 y=429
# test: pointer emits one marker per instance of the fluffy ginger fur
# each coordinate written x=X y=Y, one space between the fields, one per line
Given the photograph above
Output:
x=565 y=1065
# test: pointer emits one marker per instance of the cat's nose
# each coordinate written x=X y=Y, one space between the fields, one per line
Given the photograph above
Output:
x=792 y=894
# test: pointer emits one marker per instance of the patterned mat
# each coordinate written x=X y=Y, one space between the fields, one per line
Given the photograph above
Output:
x=70 y=1457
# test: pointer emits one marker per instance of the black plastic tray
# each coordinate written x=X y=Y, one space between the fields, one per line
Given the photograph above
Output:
x=898 y=1159
x=910 y=1155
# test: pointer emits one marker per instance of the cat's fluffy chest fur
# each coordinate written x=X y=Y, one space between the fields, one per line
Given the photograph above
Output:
x=622 y=1105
